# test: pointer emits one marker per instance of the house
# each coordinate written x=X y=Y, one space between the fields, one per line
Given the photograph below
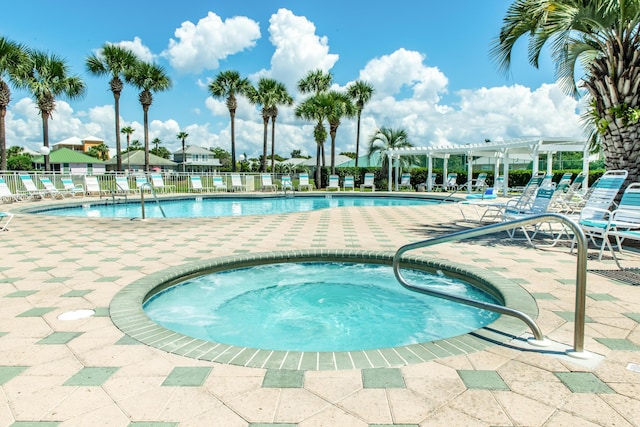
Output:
x=196 y=159
x=134 y=162
x=72 y=162
x=76 y=144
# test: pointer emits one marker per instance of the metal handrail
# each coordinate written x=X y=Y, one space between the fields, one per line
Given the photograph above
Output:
x=581 y=272
x=142 y=187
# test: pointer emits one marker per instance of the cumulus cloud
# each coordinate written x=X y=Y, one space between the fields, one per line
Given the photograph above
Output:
x=201 y=46
x=136 y=46
x=298 y=48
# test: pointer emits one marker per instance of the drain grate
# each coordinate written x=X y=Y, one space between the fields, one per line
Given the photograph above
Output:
x=626 y=276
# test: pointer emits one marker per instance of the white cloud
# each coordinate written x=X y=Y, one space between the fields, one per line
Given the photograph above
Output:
x=297 y=49
x=136 y=46
x=203 y=45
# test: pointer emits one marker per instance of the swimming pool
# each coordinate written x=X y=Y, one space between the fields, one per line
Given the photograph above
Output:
x=317 y=307
x=226 y=206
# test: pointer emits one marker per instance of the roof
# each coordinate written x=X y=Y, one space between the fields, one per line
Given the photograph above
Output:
x=194 y=149
x=67 y=155
x=92 y=138
x=136 y=158
x=74 y=140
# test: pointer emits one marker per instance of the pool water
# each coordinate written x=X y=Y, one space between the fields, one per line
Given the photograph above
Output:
x=316 y=307
x=226 y=206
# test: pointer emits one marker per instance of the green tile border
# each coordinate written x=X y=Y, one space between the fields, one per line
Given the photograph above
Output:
x=127 y=314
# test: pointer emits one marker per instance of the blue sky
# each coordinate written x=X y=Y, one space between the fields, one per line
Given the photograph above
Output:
x=428 y=61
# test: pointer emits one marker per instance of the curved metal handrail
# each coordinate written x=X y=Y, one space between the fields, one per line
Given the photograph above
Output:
x=581 y=271
x=142 y=187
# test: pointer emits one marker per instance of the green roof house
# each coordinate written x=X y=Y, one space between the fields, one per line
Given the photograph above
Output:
x=71 y=162
x=134 y=162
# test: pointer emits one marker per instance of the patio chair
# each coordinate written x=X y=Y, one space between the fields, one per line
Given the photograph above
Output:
x=624 y=222
x=540 y=204
x=285 y=183
x=236 y=183
x=51 y=189
x=5 y=219
x=142 y=184
x=218 y=183
x=425 y=185
x=334 y=183
x=92 y=186
x=6 y=194
x=349 y=182
x=450 y=183
x=122 y=185
x=266 y=183
x=31 y=190
x=158 y=184
x=196 y=185
x=565 y=179
x=478 y=184
x=368 y=182
x=405 y=182
x=304 y=182
x=72 y=189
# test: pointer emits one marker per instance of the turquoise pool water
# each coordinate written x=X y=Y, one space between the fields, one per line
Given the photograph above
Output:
x=226 y=206
x=316 y=307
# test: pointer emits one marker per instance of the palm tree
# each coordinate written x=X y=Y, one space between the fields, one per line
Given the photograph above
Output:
x=13 y=58
x=603 y=37
x=361 y=92
x=113 y=61
x=156 y=142
x=128 y=130
x=227 y=85
x=148 y=78
x=316 y=82
x=49 y=78
x=269 y=93
x=385 y=139
x=182 y=136
x=316 y=109
x=341 y=106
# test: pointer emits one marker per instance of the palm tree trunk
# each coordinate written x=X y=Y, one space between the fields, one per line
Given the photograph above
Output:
x=45 y=138
x=332 y=132
x=145 y=108
x=3 y=139
x=358 y=138
x=116 y=97
x=273 y=144
x=232 y=113
x=318 y=174
x=265 y=141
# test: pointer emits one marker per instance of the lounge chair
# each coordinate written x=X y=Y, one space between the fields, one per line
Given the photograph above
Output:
x=72 y=189
x=478 y=184
x=236 y=183
x=142 y=184
x=158 y=184
x=624 y=222
x=5 y=219
x=450 y=183
x=368 y=182
x=92 y=186
x=566 y=179
x=425 y=185
x=304 y=182
x=349 y=182
x=266 y=183
x=51 y=189
x=122 y=185
x=540 y=204
x=196 y=185
x=218 y=183
x=334 y=183
x=30 y=188
x=285 y=183
x=405 y=182
x=6 y=194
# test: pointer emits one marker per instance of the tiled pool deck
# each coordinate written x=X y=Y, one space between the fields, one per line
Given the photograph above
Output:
x=87 y=372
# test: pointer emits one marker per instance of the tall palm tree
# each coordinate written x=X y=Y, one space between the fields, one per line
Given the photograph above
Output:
x=316 y=82
x=360 y=92
x=113 y=61
x=603 y=37
x=13 y=58
x=269 y=93
x=385 y=139
x=148 y=78
x=156 y=142
x=227 y=85
x=49 y=78
x=128 y=130
x=316 y=109
x=182 y=136
x=341 y=106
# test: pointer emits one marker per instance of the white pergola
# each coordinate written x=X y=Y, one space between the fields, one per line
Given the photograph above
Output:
x=500 y=151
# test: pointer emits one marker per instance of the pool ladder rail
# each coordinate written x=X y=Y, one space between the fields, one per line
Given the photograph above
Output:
x=581 y=276
x=148 y=186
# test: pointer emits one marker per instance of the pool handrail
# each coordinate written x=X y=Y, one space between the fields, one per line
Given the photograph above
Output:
x=142 y=187
x=581 y=273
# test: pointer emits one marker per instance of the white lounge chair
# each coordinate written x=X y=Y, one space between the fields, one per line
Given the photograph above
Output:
x=122 y=185
x=266 y=183
x=142 y=183
x=196 y=185
x=540 y=204
x=425 y=185
x=5 y=219
x=50 y=188
x=349 y=182
x=30 y=188
x=236 y=183
x=92 y=186
x=219 y=184
x=6 y=194
x=451 y=183
x=405 y=182
x=304 y=182
x=368 y=182
x=285 y=183
x=158 y=184
x=72 y=189
x=624 y=222
x=334 y=183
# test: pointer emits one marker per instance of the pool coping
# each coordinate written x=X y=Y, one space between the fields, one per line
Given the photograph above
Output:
x=128 y=315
